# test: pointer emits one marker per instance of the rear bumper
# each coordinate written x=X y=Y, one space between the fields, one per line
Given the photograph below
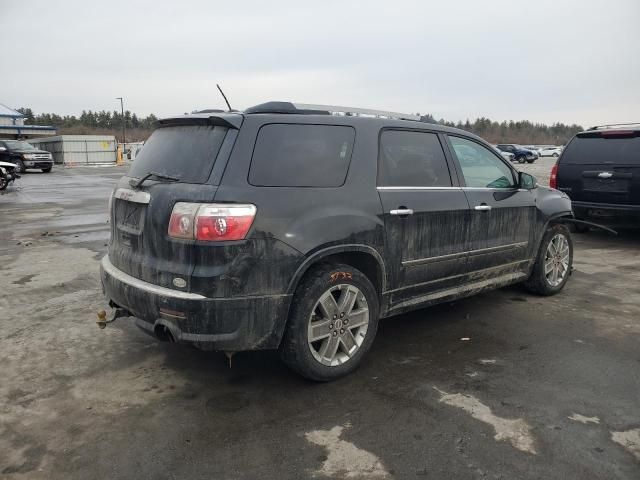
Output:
x=230 y=324
x=608 y=213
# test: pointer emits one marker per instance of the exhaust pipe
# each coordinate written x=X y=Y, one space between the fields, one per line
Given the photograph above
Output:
x=165 y=332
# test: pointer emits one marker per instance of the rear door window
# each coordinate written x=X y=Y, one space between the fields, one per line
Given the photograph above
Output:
x=590 y=150
x=293 y=155
x=481 y=167
x=187 y=152
x=412 y=159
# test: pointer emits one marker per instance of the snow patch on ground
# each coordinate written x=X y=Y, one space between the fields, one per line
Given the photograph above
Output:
x=629 y=440
x=344 y=459
x=576 y=417
x=517 y=432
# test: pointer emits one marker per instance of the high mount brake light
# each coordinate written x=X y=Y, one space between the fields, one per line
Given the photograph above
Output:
x=212 y=222
x=553 y=179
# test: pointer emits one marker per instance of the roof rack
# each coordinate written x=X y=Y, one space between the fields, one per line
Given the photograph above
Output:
x=313 y=109
x=599 y=127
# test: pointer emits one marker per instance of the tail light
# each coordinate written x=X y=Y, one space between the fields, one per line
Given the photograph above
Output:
x=212 y=222
x=553 y=179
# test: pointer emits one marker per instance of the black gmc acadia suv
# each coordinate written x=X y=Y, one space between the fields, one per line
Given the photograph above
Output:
x=298 y=227
x=600 y=170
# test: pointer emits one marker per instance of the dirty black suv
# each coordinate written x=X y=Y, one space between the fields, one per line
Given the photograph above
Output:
x=600 y=170
x=298 y=227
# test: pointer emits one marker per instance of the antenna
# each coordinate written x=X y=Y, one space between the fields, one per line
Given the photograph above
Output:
x=224 y=96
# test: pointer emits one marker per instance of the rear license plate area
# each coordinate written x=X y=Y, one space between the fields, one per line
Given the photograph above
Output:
x=129 y=216
x=609 y=185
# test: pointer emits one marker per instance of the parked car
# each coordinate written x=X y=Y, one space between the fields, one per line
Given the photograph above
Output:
x=506 y=155
x=287 y=227
x=550 y=151
x=24 y=155
x=600 y=170
x=521 y=154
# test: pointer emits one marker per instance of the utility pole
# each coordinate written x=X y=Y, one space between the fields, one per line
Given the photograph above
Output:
x=124 y=128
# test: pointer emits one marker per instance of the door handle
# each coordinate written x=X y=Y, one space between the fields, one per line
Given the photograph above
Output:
x=401 y=211
x=482 y=208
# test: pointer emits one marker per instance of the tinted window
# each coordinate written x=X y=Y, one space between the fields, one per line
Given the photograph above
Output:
x=480 y=166
x=585 y=150
x=301 y=155
x=186 y=152
x=412 y=159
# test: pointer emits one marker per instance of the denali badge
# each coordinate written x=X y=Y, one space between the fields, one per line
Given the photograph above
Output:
x=605 y=175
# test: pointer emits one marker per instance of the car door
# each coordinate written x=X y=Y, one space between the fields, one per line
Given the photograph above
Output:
x=503 y=215
x=426 y=214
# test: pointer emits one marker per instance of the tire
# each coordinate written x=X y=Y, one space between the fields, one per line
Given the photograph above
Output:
x=530 y=161
x=46 y=170
x=521 y=159
x=309 y=358
x=545 y=283
x=3 y=183
x=20 y=168
x=555 y=155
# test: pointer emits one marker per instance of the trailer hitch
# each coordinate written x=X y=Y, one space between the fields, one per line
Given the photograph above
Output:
x=117 y=313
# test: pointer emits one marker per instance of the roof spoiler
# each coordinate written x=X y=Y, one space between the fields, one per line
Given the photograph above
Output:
x=229 y=120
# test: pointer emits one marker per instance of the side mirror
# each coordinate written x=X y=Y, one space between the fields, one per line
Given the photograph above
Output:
x=526 y=181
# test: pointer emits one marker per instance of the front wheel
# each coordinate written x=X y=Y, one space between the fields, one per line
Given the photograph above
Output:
x=555 y=155
x=332 y=322
x=531 y=161
x=521 y=159
x=3 y=182
x=46 y=170
x=20 y=168
x=554 y=263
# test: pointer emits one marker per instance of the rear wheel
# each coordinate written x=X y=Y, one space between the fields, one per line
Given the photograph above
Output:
x=332 y=323
x=554 y=262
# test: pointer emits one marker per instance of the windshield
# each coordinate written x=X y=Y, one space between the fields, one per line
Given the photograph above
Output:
x=186 y=152
x=18 y=145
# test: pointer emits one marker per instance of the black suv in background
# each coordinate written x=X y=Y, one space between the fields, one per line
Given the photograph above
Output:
x=298 y=227
x=600 y=170
x=24 y=155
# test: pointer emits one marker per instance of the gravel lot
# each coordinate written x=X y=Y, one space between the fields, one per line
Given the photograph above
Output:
x=504 y=385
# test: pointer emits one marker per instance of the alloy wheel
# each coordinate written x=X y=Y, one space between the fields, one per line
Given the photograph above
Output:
x=338 y=325
x=556 y=260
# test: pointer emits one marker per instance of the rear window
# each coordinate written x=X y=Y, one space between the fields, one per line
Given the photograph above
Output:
x=410 y=158
x=187 y=152
x=289 y=155
x=597 y=150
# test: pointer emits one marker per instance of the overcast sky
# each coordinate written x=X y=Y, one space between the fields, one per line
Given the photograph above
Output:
x=559 y=60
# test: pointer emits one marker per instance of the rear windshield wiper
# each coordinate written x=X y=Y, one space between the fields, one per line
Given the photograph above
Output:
x=138 y=183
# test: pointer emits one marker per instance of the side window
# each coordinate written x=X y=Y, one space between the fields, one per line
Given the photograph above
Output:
x=481 y=168
x=289 y=155
x=412 y=159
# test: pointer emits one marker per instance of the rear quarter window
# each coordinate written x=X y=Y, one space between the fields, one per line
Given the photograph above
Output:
x=288 y=155
x=589 y=150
